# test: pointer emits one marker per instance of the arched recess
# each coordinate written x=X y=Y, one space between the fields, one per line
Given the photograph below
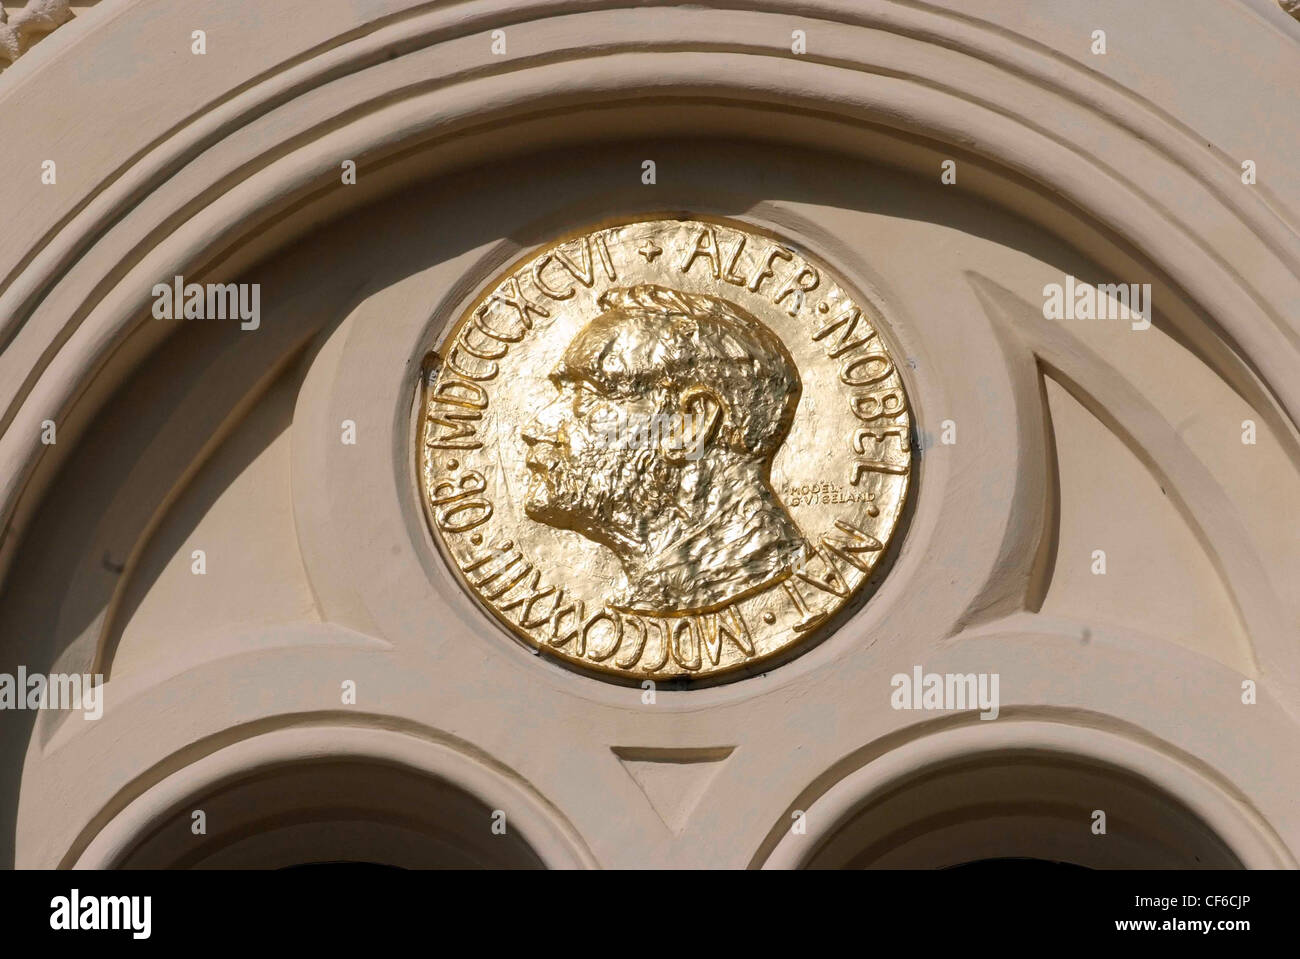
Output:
x=241 y=163
x=322 y=792
x=1022 y=806
x=1031 y=788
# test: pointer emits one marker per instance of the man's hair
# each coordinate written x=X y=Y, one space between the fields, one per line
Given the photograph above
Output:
x=654 y=338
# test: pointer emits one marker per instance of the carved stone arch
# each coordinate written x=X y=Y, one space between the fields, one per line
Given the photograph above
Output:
x=952 y=796
x=326 y=791
x=227 y=167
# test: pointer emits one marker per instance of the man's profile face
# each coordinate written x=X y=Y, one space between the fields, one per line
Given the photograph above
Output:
x=658 y=443
x=585 y=475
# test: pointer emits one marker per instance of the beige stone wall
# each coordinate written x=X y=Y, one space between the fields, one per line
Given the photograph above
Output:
x=1121 y=692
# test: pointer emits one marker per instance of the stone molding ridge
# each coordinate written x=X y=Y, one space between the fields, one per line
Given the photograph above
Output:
x=22 y=28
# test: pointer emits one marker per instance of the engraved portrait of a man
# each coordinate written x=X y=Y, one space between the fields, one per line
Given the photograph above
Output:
x=689 y=511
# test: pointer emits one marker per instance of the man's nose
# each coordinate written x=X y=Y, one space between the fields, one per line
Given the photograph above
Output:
x=543 y=427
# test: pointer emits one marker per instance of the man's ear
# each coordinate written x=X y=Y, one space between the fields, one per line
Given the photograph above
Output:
x=701 y=414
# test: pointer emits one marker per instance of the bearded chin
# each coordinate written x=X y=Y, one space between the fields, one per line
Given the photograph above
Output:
x=566 y=499
x=619 y=495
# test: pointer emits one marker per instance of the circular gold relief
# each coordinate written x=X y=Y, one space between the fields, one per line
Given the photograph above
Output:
x=671 y=448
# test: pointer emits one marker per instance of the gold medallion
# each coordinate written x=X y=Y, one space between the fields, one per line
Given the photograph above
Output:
x=663 y=450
